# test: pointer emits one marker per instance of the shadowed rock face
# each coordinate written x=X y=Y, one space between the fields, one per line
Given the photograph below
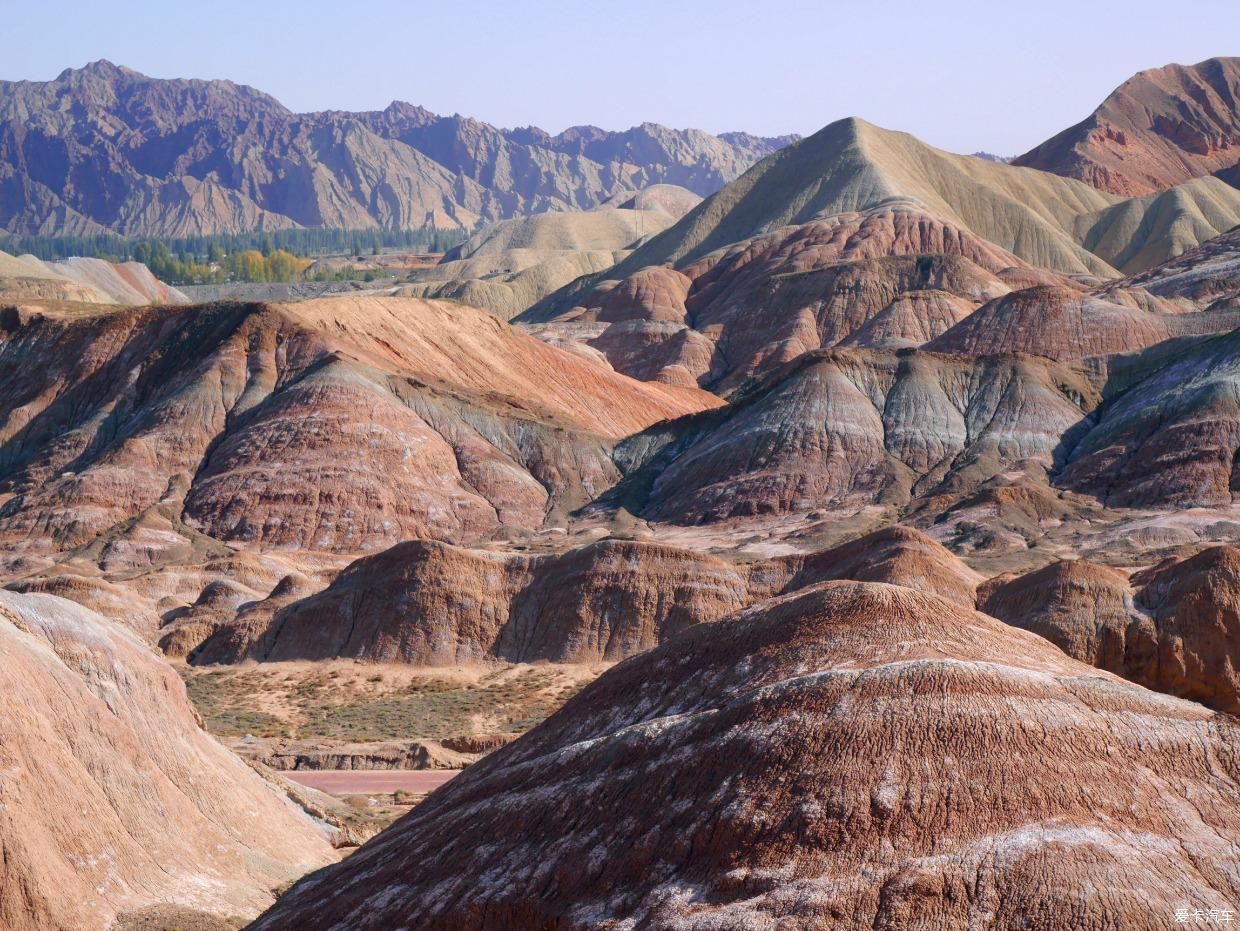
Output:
x=226 y=602
x=1171 y=438
x=1085 y=609
x=105 y=148
x=112 y=798
x=1195 y=605
x=911 y=320
x=338 y=425
x=432 y=604
x=1159 y=128
x=852 y=756
x=1174 y=627
x=1208 y=275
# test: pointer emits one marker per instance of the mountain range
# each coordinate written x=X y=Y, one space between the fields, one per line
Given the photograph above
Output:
x=106 y=149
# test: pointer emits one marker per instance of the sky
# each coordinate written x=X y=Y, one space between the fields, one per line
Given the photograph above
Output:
x=998 y=76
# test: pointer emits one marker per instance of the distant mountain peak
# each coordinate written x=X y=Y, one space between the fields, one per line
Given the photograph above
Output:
x=1161 y=127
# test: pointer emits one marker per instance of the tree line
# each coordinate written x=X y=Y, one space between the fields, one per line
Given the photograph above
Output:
x=279 y=255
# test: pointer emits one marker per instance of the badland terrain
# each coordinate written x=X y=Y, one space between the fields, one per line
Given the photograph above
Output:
x=772 y=533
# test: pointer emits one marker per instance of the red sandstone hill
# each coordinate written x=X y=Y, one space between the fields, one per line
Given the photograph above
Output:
x=433 y=604
x=1174 y=627
x=1057 y=322
x=851 y=756
x=760 y=302
x=860 y=236
x=1159 y=128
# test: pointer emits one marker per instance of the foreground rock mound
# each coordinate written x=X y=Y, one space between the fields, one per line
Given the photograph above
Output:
x=112 y=798
x=855 y=756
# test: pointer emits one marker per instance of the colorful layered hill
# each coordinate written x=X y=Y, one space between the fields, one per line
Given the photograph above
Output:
x=342 y=424
x=857 y=236
x=91 y=281
x=113 y=800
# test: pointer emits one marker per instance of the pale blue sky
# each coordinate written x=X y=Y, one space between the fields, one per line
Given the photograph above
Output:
x=999 y=76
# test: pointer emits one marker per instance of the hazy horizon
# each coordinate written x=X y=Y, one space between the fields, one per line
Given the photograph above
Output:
x=997 y=80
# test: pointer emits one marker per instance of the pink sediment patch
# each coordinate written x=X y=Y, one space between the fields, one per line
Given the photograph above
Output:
x=355 y=781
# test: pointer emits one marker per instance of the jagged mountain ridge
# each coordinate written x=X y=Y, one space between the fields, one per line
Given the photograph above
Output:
x=104 y=148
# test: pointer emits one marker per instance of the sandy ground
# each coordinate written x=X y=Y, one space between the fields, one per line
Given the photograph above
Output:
x=358 y=702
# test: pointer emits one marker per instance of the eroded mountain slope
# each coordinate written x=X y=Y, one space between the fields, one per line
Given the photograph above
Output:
x=104 y=148
x=510 y=266
x=858 y=426
x=1174 y=627
x=760 y=302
